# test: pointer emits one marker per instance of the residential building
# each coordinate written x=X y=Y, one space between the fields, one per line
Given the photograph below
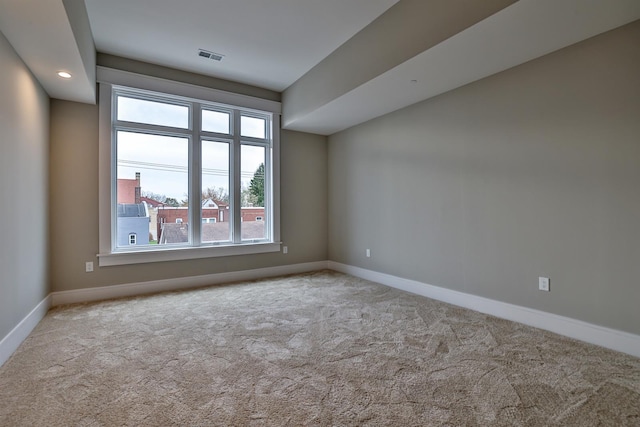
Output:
x=129 y=190
x=133 y=224
x=133 y=215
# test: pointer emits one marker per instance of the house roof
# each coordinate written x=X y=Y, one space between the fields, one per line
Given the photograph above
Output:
x=211 y=232
x=174 y=233
x=209 y=203
x=151 y=202
x=131 y=210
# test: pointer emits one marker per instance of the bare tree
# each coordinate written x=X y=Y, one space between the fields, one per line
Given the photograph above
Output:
x=154 y=196
x=216 y=194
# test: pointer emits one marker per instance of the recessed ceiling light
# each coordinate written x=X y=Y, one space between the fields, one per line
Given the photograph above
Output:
x=64 y=74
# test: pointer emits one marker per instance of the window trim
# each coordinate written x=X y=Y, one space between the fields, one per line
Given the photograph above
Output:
x=107 y=255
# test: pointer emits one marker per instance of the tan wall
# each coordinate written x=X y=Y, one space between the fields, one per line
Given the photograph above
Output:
x=532 y=172
x=24 y=158
x=74 y=207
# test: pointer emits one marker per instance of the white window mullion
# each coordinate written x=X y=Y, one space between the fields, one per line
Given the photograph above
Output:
x=107 y=171
x=267 y=184
x=195 y=178
x=236 y=186
x=274 y=174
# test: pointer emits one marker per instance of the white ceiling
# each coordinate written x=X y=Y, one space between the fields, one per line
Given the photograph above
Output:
x=43 y=36
x=526 y=30
x=266 y=43
x=272 y=43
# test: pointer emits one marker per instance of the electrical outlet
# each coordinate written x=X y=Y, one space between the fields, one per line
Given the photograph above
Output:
x=368 y=253
x=543 y=284
x=285 y=249
x=88 y=267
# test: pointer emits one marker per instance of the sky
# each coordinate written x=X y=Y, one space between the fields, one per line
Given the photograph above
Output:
x=163 y=160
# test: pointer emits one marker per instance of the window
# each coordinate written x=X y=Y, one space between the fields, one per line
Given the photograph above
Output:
x=194 y=158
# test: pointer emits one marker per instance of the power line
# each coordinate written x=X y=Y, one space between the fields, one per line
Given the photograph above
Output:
x=180 y=169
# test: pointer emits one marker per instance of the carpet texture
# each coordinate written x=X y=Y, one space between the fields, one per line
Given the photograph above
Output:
x=320 y=349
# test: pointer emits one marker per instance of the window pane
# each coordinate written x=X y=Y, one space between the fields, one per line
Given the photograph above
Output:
x=216 y=215
x=152 y=189
x=215 y=121
x=152 y=112
x=253 y=127
x=252 y=177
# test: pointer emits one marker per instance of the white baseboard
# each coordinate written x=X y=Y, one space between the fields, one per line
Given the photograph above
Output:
x=12 y=341
x=577 y=329
x=133 y=289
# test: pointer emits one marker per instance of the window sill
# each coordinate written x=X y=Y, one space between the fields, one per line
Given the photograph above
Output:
x=180 y=254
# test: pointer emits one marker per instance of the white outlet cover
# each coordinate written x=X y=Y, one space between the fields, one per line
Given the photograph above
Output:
x=543 y=283
x=88 y=267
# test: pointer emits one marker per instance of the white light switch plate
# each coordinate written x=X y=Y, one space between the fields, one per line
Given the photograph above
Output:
x=543 y=283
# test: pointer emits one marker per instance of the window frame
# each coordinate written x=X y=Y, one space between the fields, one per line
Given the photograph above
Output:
x=133 y=84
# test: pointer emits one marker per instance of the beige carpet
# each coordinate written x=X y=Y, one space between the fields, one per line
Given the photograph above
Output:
x=319 y=349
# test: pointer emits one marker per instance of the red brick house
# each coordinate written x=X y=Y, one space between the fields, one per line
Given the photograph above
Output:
x=129 y=191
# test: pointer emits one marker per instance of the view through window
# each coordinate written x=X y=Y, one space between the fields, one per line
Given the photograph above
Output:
x=189 y=173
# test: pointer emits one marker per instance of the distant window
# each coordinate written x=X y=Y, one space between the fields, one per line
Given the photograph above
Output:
x=208 y=220
x=178 y=220
x=133 y=239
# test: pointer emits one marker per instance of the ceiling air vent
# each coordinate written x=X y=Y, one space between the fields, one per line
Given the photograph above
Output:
x=210 y=55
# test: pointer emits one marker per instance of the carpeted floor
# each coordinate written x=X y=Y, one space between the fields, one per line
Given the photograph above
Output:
x=319 y=349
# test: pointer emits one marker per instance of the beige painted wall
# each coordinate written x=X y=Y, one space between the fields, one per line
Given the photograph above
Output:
x=24 y=148
x=74 y=207
x=531 y=172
